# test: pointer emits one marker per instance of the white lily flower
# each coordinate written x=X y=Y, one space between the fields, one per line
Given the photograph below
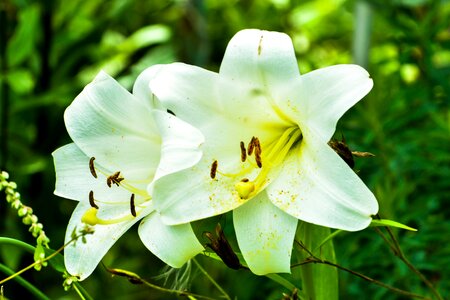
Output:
x=265 y=154
x=113 y=159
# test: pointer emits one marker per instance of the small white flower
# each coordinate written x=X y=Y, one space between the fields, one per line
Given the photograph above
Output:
x=113 y=159
x=265 y=154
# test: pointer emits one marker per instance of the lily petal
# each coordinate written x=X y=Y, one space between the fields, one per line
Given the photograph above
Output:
x=324 y=95
x=181 y=144
x=316 y=186
x=141 y=87
x=81 y=258
x=184 y=197
x=261 y=58
x=102 y=122
x=265 y=235
x=74 y=180
x=174 y=245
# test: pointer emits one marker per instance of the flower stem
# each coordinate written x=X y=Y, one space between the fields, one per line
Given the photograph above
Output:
x=394 y=245
x=316 y=260
x=226 y=296
x=31 y=288
x=18 y=243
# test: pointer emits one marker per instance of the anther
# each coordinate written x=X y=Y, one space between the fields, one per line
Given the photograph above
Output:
x=243 y=152
x=91 y=200
x=251 y=146
x=258 y=153
x=213 y=169
x=132 y=207
x=91 y=167
x=114 y=178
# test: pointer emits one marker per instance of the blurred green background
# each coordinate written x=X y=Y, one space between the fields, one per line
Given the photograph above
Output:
x=49 y=50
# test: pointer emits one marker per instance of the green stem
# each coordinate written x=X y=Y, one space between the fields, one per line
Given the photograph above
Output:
x=18 y=243
x=14 y=275
x=315 y=260
x=282 y=281
x=395 y=247
x=211 y=279
x=31 y=288
x=362 y=33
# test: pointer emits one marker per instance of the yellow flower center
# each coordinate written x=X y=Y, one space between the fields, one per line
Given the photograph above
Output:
x=267 y=155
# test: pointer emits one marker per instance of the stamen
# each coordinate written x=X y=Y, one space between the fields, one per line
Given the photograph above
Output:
x=213 y=169
x=258 y=153
x=91 y=167
x=243 y=152
x=251 y=145
x=132 y=207
x=91 y=200
x=114 y=178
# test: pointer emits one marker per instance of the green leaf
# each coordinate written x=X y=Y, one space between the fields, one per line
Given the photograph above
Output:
x=144 y=37
x=21 y=81
x=22 y=43
x=319 y=281
x=390 y=223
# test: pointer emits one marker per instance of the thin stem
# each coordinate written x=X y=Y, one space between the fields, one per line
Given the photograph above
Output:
x=371 y=280
x=395 y=247
x=31 y=266
x=136 y=279
x=226 y=296
x=36 y=262
x=79 y=292
x=31 y=288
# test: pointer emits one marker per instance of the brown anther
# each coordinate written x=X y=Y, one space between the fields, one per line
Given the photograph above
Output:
x=114 y=178
x=243 y=152
x=213 y=169
x=91 y=200
x=258 y=151
x=132 y=207
x=92 y=168
x=251 y=146
x=362 y=154
x=245 y=180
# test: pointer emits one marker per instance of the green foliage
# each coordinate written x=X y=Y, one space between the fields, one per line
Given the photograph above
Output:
x=50 y=49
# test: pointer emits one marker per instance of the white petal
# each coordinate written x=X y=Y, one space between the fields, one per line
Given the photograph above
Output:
x=107 y=122
x=181 y=144
x=174 y=245
x=260 y=58
x=265 y=235
x=74 y=180
x=225 y=115
x=318 y=187
x=320 y=98
x=141 y=87
x=82 y=258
